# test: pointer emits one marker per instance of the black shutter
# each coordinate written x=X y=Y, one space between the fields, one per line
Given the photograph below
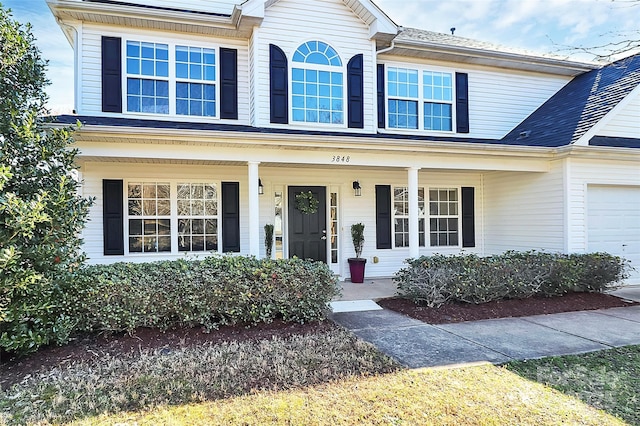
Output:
x=278 y=85
x=468 y=217
x=111 y=74
x=112 y=217
x=462 y=102
x=381 y=104
x=230 y=217
x=355 y=92
x=228 y=83
x=383 y=216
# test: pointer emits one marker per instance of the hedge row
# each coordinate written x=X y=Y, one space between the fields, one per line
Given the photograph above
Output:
x=435 y=280
x=219 y=290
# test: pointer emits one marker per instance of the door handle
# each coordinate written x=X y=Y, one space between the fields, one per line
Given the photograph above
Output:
x=324 y=237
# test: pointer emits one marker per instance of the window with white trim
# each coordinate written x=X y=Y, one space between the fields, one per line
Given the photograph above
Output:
x=149 y=211
x=444 y=217
x=317 y=94
x=161 y=213
x=171 y=79
x=419 y=99
x=197 y=216
x=195 y=81
x=147 y=77
x=401 y=217
x=402 y=89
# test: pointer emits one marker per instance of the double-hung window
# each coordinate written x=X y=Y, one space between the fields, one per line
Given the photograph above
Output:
x=401 y=216
x=317 y=94
x=147 y=77
x=195 y=81
x=443 y=217
x=171 y=79
x=402 y=88
x=419 y=99
x=148 y=205
x=437 y=92
x=197 y=217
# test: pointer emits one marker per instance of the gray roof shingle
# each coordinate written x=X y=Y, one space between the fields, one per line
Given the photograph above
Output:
x=578 y=106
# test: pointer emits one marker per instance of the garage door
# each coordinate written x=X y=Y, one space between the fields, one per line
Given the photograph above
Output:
x=613 y=225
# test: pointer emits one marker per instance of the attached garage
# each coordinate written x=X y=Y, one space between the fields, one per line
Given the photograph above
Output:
x=613 y=223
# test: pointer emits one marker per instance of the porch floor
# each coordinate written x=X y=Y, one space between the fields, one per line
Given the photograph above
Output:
x=370 y=289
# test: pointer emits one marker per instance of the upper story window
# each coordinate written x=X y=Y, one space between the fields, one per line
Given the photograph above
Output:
x=181 y=83
x=147 y=77
x=317 y=84
x=419 y=99
x=195 y=81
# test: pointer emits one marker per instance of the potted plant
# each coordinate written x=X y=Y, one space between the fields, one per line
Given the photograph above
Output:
x=357 y=264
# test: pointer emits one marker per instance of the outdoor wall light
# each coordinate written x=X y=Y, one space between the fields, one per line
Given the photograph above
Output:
x=260 y=187
x=357 y=189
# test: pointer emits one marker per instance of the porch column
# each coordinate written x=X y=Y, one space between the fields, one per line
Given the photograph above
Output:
x=254 y=210
x=414 y=241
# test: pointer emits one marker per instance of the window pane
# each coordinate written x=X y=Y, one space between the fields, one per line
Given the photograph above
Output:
x=135 y=227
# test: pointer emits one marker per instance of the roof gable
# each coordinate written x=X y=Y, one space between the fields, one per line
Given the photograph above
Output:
x=579 y=106
x=381 y=27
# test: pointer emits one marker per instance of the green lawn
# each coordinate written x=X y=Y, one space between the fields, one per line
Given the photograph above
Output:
x=609 y=380
x=480 y=395
x=329 y=378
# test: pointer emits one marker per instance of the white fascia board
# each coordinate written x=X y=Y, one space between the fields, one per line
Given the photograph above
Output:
x=120 y=150
x=562 y=67
x=602 y=153
x=382 y=24
x=593 y=131
x=252 y=8
x=134 y=12
x=301 y=141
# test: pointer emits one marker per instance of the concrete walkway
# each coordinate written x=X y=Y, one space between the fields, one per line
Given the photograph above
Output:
x=417 y=344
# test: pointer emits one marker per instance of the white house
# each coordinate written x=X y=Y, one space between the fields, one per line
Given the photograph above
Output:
x=205 y=120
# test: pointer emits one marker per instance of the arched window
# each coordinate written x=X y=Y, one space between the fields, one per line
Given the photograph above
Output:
x=317 y=84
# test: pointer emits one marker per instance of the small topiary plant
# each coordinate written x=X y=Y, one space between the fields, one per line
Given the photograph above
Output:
x=268 y=239
x=357 y=237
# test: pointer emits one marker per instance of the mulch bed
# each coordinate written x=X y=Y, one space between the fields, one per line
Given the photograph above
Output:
x=458 y=312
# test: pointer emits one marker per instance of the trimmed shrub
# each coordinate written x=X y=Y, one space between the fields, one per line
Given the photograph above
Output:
x=219 y=290
x=435 y=280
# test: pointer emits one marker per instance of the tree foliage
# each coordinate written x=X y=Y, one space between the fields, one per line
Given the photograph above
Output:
x=41 y=213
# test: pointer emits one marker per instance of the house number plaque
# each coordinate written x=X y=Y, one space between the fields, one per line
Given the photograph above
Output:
x=340 y=158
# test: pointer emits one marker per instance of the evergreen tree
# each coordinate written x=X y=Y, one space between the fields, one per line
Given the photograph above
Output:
x=41 y=213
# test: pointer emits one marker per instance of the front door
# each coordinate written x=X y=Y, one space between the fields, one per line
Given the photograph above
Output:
x=307 y=228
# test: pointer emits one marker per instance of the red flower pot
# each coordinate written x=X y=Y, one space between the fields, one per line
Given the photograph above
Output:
x=356 y=267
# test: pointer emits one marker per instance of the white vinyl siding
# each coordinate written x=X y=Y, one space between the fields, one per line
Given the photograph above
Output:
x=524 y=211
x=90 y=102
x=626 y=123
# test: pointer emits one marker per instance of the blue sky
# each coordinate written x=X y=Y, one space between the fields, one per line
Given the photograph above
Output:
x=542 y=26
